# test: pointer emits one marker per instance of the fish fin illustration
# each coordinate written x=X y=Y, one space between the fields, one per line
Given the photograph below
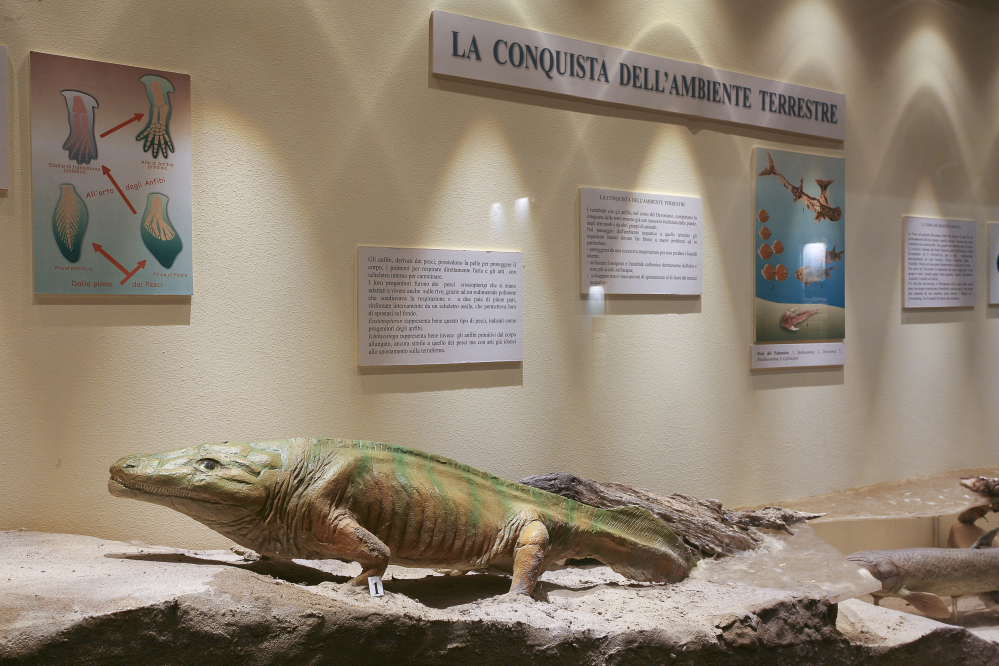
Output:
x=771 y=169
x=985 y=541
x=926 y=602
x=823 y=185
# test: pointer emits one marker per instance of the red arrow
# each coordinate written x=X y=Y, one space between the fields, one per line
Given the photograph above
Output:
x=141 y=264
x=107 y=172
x=137 y=116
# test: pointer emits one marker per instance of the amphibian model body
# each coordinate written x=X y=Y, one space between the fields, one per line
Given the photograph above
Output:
x=374 y=504
x=922 y=575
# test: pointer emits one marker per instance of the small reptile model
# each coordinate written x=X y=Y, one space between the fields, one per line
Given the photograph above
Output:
x=922 y=575
x=374 y=504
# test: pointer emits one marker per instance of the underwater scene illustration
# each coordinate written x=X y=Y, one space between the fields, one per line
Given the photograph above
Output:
x=799 y=246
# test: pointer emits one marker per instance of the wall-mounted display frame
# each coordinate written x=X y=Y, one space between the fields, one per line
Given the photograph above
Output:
x=111 y=178
x=939 y=263
x=799 y=248
x=994 y=263
x=639 y=243
x=4 y=123
x=419 y=306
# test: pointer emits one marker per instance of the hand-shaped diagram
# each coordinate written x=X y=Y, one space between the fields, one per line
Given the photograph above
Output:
x=158 y=234
x=81 y=144
x=157 y=131
x=69 y=223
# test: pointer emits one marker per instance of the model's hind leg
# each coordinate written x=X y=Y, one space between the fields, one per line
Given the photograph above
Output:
x=529 y=557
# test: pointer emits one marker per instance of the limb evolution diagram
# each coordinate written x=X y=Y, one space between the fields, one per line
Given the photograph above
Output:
x=111 y=178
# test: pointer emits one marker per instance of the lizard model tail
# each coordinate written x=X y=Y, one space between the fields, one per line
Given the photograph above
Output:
x=634 y=543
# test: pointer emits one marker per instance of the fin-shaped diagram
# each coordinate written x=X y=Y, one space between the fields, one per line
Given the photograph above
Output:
x=80 y=143
x=156 y=135
x=69 y=222
x=158 y=234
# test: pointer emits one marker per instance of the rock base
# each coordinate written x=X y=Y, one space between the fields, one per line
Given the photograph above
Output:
x=67 y=599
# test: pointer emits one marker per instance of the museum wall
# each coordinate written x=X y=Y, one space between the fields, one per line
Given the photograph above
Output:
x=317 y=128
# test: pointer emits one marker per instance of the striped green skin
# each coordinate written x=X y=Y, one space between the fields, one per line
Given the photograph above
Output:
x=431 y=510
x=305 y=498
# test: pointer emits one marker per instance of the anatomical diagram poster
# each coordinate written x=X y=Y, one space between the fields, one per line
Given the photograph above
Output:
x=799 y=246
x=111 y=178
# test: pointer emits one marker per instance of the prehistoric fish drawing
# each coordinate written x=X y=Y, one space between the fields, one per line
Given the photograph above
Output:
x=769 y=272
x=818 y=205
x=922 y=575
x=763 y=216
x=832 y=255
x=765 y=233
x=377 y=504
x=811 y=275
x=778 y=247
x=790 y=320
x=782 y=272
x=766 y=251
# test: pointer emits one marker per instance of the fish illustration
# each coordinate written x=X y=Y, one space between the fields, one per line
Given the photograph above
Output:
x=763 y=215
x=833 y=255
x=818 y=205
x=778 y=247
x=812 y=275
x=766 y=251
x=790 y=320
x=765 y=233
x=922 y=575
x=769 y=272
x=782 y=272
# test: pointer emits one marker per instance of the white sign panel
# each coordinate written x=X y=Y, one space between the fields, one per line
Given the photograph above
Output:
x=419 y=306
x=804 y=355
x=639 y=243
x=483 y=51
x=994 y=264
x=939 y=263
x=4 y=133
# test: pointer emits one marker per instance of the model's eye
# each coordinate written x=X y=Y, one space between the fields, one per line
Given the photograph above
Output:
x=208 y=464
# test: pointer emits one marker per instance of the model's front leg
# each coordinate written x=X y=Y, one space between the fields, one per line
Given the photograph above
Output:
x=348 y=540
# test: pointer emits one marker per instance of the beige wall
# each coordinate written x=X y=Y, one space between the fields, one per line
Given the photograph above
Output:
x=317 y=129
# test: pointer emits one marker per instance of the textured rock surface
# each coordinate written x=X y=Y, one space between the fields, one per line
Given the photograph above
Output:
x=68 y=599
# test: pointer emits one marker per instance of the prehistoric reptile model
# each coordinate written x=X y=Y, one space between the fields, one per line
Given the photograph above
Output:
x=374 y=504
x=921 y=575
x=818 y=205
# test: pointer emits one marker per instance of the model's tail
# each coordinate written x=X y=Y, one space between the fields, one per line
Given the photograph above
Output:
x=771 y=169
x=634 y=543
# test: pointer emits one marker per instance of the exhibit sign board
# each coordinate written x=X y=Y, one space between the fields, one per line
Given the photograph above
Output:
x=809 y=355
x=939 y=263
x=994 y=263
x=481 y=51
x=4 y=123
x=429 y=306
x=639 y=243
x=799 y=250
x=110 y=179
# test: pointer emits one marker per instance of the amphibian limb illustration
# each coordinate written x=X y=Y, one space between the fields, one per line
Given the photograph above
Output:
x=157 y=131
x=778 y=247
x=80 y=143
x=766 y=251
x=765 y=233
x=763 y=216
x=782 y=272
x=790 y=320
x=769 y=272
x=818 y=205
x=69 y=222
x=158 y=234
x=377 y=504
